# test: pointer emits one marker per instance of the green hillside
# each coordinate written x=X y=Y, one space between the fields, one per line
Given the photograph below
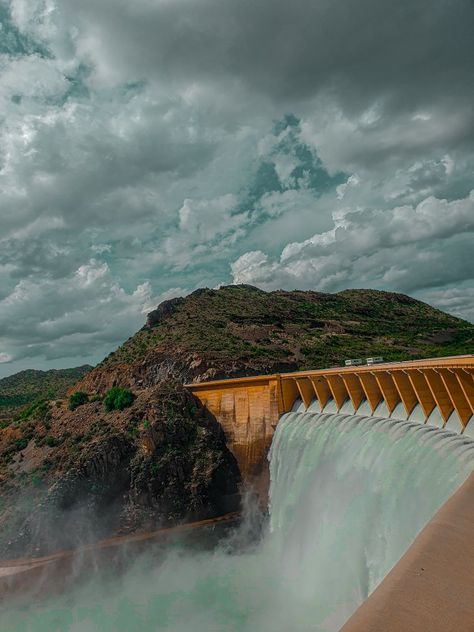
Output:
x=25 y=387
x=238 y=330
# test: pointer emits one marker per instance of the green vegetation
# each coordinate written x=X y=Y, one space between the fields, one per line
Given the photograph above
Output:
x=118 y=398
x=37 y=410
x=51 y=442
x=240 y=329
x=10 y=450
x=26 y=387
x=79 y=398
x=20 y=444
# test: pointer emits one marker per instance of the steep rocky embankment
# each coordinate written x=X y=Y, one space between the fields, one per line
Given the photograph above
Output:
x=67 y=476
x=74 y=476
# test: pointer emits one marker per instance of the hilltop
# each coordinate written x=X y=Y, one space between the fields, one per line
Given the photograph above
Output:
x=23 y=388
x=241 y=330
x=71 y=475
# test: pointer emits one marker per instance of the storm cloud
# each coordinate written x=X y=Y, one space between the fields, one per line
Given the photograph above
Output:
x=149 y=148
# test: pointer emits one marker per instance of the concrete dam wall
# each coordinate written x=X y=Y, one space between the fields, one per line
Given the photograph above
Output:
x=430 y=588
x=439 y=392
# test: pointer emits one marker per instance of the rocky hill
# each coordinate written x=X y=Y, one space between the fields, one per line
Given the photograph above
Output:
x=72 y=473
x=73 y=476
x=25 y=387
x=241 y=330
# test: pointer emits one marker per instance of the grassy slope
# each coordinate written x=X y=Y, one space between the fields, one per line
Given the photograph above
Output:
x=256 y=331
x=25 y=387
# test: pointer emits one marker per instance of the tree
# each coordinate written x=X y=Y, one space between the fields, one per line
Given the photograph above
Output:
x=118 y=398
x=78 y=399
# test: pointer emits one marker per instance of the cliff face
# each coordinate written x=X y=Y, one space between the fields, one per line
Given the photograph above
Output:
x=240 y=330
x=72 y=476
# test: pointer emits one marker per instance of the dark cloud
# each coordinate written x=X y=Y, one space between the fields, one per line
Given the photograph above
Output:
x=149 y=145
x=407 y=51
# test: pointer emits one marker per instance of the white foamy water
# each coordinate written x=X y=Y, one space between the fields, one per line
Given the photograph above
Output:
x=348 y=495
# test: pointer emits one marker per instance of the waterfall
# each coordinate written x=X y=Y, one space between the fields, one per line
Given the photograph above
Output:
x=348 y=495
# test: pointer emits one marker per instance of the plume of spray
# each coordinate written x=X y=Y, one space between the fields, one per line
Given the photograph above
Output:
x=348 y=495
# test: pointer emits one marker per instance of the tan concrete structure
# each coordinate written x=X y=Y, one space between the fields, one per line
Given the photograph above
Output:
x=431 y=589
x=249 y=408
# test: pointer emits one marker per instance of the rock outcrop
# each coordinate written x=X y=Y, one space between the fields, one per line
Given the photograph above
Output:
x=161 y=461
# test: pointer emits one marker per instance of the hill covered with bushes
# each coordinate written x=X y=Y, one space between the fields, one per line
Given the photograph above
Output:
x=23 y=388
x=241 y=330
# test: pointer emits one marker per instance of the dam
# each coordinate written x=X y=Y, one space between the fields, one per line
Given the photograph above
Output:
x=368 y=472
x=439 y=392
x=430 y=588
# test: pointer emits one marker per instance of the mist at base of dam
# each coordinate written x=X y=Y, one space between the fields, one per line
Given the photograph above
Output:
x=348 y=495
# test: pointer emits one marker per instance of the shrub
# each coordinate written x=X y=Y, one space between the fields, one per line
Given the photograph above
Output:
x=47 y=465
x=51 y=442
x=37 y=410
x=118 y=398
x=20 y=444
x=78 y=399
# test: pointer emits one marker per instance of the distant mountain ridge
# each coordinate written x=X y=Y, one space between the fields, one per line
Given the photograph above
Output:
x=21 y=389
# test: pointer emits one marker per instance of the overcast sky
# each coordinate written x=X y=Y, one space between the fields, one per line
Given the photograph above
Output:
x=150 y=147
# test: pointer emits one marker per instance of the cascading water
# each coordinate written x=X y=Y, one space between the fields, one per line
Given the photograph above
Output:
x=348 y=495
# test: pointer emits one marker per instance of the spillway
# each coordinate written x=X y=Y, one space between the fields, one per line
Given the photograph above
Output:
x=348 y=494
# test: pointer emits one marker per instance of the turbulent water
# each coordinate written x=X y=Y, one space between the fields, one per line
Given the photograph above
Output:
x=348 y=495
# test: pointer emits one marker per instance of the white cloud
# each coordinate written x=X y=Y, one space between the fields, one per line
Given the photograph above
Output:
x=146 y=135
x=84 y=314
x=352 y=181
x=457 y=300
x=406 y=248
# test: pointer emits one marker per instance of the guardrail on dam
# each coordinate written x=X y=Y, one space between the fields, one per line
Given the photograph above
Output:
x=430 y=587
x=438 y=391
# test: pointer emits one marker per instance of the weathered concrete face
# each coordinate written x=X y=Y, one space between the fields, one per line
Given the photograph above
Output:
x=248 y=410
x=439 y=391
